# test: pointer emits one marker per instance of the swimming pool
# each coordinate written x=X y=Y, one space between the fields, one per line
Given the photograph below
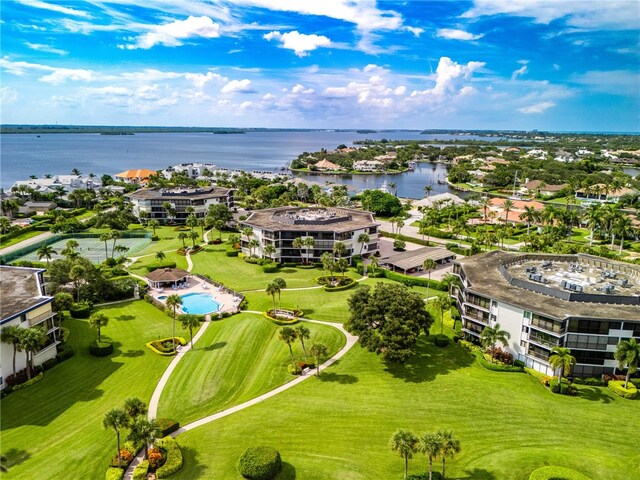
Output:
x=197 y=303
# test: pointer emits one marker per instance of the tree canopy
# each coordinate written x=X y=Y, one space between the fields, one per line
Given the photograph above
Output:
x=381 y=203
x=388 y=319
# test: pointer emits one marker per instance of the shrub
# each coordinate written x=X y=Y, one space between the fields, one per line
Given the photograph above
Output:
x=344 y=284
x=518 y=363
x=441 y=340
x=410 y=281
x=557 y=473
x=49 y=364
x=100 y=349
x=565 y=388
x=155 y=458
x=232 y=253
x=65 y=352
x=140 y=472
x=294 y=369
x=125 y=458
x=173 y=463
x=270 y=267
x=114 y=473
x=596 y=382
x=80 y=310
x=617 y=387
x=164 y=346
x=167 y=426
x=28 y=383
x=260 y=463
x=157 y=265
x=496 y=367
x=155 y=238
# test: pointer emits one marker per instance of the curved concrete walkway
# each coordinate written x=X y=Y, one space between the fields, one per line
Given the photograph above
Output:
x=155 y=398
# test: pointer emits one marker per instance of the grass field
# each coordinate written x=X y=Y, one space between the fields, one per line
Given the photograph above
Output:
x=54 y=429
x=339 y=426
x=236 y=359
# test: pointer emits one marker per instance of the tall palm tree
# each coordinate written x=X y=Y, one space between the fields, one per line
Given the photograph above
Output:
x=450 y=446
x=485 y=203
x=134 y=408
x=193 y=235
x=318 y=350
x=288 y=336
x=628 y=354
x=431 y=445
x=622 y=228
x=442 y=303
x=12 y=335
x=46 y=251
x=363 y=240
x=182 y=236
x=373 y=265
x=144 y=431
x=173 y=302
x=116 y=418
x=192 y=220
x=253 y=244
x=247 y=232
x=272 y=289
x=405 y=444
x=427 y=190
x=308 y=244
x=429 y=264
x=399 y=225
x=303 y=333
x=562 y=361
x=530 y=215
x=115 y=235
x=153 y=224
x=339 y=249
x=507 y=206
x=492 y=335
x=269 y=250
x=329 y=264
x=190 y=321
x=593 y=216
x=97 y=321
x=280 y=284
x=31 y=341
x=298 y=244
x=160 y=256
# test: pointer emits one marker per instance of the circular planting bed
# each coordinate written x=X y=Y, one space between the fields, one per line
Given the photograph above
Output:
x=282 y=316
x=557 y=473
x=335 y=284
x=101 y=349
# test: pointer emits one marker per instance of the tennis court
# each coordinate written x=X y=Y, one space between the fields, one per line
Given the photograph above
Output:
x=89 y=247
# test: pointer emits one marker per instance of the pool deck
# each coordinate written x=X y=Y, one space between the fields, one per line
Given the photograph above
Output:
x=228 y=301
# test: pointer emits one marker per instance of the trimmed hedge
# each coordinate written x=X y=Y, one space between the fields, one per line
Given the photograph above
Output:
x=28 y=383
x=414 y=281
x=565 y=388
x=80 y=310
x=173 y=462
x=232 y=253
x=557 y=473
x=157 y=347
x=270 y=268
x=156 y=266
x=441 y=340
x=596 y=382
x=100 y=349
x=496 y=367
x=49 y=364
x=140 y=472
x=617 y=387
x=114 y=473
x=339 y=288
x=65 y=352
x=167 y=426
x=260 y=463
x=283 y=321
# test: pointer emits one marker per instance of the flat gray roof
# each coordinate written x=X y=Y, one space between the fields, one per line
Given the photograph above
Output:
x=275 y=219
x=19 y=290
x=416 y=258
x=485 y=279
x=178 y=193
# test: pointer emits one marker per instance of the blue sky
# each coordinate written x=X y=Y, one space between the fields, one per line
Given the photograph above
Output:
x=484 y=64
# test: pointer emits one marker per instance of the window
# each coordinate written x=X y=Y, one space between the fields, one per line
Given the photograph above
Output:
x=527 y=315
x=591 y=357
x=600 y=327
x=23 y=318
x=590 y=342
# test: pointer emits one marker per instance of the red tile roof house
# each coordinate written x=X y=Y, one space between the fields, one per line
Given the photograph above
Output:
x=514 y=214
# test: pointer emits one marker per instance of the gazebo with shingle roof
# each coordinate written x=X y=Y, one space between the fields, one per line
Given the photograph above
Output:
x=163 y=276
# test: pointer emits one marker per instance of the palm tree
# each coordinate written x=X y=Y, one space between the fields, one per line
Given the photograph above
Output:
x=429 y=264
x=530 y=215
x=308 y=243
x=115 y=235
x=173 y=302
x=134 y=408
x=280 y=284
x=399 y=225
x=253 y=244
x=76 y=274
x=182 y=236
x=269 y=250
x=405 y=444
x=46 y=251
x=12 y=335
x=160 y=256
x=192 y=221
x=247 y=232
x=288 y=336
x=329 y=264
x=303 y=333
x=485 y=203
x=492 y=335
x=392 y=186
x=116 y=418
x=441 y=303
x=373 y=264
x=450 y=446
x=431 y=445
x=190 y=321
x=628 y=353
x=622 y=228
x=298 y=244
x=193 y=235
x=427 y=190
x=97 y=321
x=363 y=239
x=562 y=361
x=169 y=209
x=144 y=431
x=272 y=289
x=153 y=224
x=30 y=341
x=5 y=224
x=507 y=206
x=317 y=350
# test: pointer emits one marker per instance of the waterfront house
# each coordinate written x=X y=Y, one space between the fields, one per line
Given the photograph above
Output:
x=325 y=164
x=135 y=176
x=368 y=165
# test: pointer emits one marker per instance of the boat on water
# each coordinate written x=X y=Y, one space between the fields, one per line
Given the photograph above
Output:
x=384 y=187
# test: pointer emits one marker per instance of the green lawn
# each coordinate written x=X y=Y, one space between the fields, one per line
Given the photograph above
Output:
x=168 y=240
x=54 y=429
x=339 y=426
x=20 y=238
x=139 y=266
x=236 y=359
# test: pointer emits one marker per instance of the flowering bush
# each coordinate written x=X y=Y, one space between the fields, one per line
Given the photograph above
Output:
x=155 y=458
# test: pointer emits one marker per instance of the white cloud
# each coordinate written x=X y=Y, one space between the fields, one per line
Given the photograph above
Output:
x=238 y=86
x=45 y=48
x=200 y=80
x=58 y=74
x=455 y=34
x=8 y=96
x=521 y=71
x=300 y=43
x=537 y=108
x=612 y=14
x=616 y=82
x=172 y=34
x=448 y=76
x=54 y=8
x=417 y=31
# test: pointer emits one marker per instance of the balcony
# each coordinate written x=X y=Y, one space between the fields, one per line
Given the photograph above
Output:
x=33 y=321
x=545 y=342
x=554 y=328
x=540 y=356
x=477 y=317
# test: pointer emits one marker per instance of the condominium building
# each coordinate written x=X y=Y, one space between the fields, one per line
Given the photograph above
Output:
x=326 y=226
x=153 y=200
x=585 y=303
x=25 y=304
